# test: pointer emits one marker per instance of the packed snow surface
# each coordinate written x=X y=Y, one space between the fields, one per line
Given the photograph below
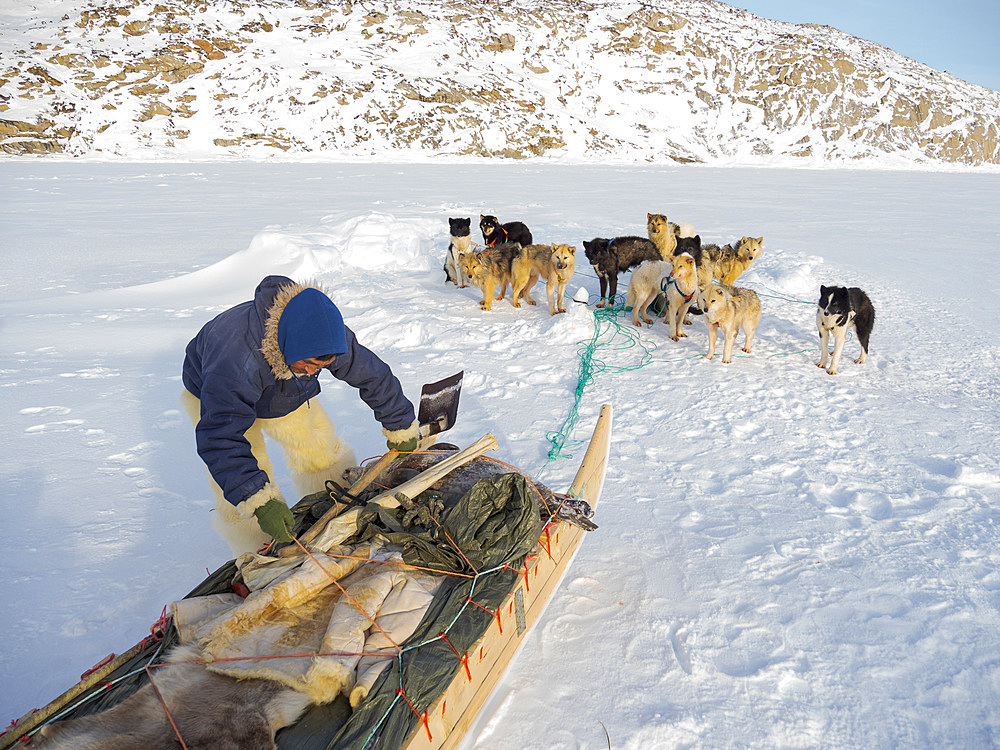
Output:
x=784 y=559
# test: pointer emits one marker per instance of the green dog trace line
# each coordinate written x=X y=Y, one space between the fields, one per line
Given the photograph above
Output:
x=605 y=322
x=622 y=337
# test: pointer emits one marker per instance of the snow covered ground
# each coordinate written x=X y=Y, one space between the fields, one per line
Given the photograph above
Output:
x=784 y=558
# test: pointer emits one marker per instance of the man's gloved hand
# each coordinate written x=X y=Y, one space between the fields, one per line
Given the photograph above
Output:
x=402 y=447
x=276 y=520
x=404 y=440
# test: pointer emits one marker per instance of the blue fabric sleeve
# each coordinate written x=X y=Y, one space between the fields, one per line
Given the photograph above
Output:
x=227 y=412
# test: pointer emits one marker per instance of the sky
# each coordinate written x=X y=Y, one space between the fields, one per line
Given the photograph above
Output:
x=783 y=558
x=959 y=36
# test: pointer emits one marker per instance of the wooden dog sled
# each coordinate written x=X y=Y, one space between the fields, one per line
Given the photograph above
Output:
x=449 y=716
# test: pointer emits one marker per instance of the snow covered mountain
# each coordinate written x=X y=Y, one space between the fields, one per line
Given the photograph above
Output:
x=690 y=81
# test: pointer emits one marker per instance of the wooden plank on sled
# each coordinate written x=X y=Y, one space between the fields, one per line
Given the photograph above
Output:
x=455 y=710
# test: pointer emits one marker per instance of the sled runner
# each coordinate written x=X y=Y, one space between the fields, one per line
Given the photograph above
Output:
x=454 y=712
x=507 y=541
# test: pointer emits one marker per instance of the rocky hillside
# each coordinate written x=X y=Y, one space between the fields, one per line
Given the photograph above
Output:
x=682 y=81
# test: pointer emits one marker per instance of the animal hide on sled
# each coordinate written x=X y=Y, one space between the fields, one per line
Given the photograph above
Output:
x=319 y=626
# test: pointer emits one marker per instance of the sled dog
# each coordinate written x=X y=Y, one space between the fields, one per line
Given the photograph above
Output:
x=552 y=263
x=488 y=268
x=461 y=242
x=680 y=288
x=495 y=233
x=644 y=287
x=209 y=710
x=610 y=257
x=840 y=308
x=729 y=261
x=665 y=234
x=730 y=308
x=692 y=246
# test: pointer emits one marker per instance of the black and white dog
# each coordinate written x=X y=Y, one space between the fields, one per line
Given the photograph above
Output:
x=461 y=242
x=841 y=307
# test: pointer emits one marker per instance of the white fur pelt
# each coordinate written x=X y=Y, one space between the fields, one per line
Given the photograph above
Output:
x=313 y=452
x=211 y=712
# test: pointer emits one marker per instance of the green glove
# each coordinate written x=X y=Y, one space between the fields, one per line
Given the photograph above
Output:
x=403 y=440
x=404 y=446
x=276 y=520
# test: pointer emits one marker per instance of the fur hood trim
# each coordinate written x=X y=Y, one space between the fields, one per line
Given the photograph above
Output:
x=403 y=434
x=259 y=499
x=269 y=346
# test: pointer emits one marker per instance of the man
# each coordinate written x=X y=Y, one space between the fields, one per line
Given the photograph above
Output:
x=254 y=368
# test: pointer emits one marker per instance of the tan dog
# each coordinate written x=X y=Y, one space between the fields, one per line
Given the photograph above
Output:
x=664 y=233
x=553 y=263
x=730 y=308
x=729 y=261
x=488 y=268
x=644 y=286
x=681 y=287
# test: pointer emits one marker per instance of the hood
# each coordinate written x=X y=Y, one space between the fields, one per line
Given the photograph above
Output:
x=269 y=346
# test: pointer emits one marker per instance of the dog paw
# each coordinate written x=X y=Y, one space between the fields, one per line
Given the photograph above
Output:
x=745 y=350
x=599 y=305
x=821 y=365
x=831 y=372
x=532 y=302
x=727 y=361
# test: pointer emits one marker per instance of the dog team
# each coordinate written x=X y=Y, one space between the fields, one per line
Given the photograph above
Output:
x=671 y=272
x=509 y=258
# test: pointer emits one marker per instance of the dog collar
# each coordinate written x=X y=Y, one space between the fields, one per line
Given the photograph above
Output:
x=499 y=229
x=665 y=283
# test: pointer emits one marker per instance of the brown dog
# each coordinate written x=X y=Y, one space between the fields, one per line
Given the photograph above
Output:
x=553 y=263
x=681 y=287
x=729 y=261
x=730 y=308
x=664 y=233
x=488 y=268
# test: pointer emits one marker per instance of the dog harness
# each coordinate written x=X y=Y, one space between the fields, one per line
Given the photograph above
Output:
x=665 y=283
x=617 y=257
x=492 y=242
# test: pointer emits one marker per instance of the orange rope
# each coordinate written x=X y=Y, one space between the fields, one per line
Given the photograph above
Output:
x=276 y=656
x=348 y=596
x=401 y=564
x=526 y=479
x=165 y=709
x=422 y=718
x=464 y=658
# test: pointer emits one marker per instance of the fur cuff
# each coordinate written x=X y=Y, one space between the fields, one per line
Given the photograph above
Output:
x=404 y=434
x=259 y=499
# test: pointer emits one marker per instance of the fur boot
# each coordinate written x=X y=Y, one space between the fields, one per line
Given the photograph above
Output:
x=241 y=532
x=313 y=451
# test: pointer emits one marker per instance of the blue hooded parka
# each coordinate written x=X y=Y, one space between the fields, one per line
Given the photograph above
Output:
x=236 y=368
